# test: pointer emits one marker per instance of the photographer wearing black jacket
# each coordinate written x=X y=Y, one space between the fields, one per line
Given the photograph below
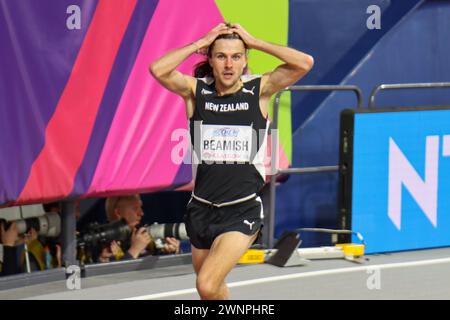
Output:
x=9 y=236
x=129 y=208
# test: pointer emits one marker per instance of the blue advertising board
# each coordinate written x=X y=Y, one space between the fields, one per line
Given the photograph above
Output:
x=400 y=179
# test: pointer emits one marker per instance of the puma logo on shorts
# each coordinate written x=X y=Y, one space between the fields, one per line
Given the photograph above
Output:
x=249 y=224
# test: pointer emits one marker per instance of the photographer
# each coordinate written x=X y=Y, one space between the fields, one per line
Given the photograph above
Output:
x=25 y=243
x=141 y=243
x=52 y=247
x=8 y=237
x=40 y=234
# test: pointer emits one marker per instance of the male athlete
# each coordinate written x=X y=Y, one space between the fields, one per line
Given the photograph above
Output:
x=226 y=107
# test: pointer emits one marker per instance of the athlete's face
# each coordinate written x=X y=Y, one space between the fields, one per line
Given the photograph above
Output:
x=228 y=60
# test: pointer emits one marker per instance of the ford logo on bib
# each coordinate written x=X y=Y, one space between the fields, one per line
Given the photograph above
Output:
x=226 y=132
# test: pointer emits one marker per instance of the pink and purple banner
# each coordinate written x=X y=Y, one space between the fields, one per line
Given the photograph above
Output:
x=80 y=114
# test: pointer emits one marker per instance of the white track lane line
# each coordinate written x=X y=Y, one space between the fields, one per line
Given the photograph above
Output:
x=299 y=275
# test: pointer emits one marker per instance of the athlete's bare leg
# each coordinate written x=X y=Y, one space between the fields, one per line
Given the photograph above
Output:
x=198 y=257
x=223 y=256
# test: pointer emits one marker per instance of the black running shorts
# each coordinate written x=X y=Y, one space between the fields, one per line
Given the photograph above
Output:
x=204 y=223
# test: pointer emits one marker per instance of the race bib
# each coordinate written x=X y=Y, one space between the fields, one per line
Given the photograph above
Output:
x=226 y=143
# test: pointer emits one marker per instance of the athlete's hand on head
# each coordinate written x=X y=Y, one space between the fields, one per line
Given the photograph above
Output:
x=209 y=38
x=249 y=40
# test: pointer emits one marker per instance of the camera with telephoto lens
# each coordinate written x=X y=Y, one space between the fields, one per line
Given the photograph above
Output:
x=171 y=230
x=101 y=235
x=48 y=225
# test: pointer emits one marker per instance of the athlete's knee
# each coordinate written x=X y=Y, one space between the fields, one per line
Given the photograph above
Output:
x=208 y=288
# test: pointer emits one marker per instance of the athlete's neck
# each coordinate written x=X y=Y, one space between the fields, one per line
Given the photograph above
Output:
x=223 y=90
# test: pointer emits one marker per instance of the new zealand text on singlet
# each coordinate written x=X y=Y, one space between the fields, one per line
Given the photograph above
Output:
x=226 y=107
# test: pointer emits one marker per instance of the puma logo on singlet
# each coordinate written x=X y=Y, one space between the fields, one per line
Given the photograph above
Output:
x=250 y=225
x=249 y=91
x=205 y=92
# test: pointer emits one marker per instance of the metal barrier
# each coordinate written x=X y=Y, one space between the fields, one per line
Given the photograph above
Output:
x=275 y=171
x=381 y=87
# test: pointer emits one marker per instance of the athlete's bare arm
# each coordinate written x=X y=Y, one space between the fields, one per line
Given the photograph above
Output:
x=164 y=69
x=297 y=64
